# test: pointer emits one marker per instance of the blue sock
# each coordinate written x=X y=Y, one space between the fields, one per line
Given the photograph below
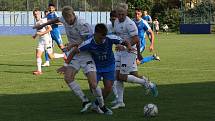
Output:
x=147 y=59
x=46 y=56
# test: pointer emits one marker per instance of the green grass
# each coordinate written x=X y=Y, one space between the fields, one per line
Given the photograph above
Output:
x=185 y=77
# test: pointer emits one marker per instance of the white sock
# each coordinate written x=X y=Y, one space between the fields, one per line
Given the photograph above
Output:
x=134 y=79
x=77 y=90
x=120 y=90
x=98 y=94
x=57 y=55
x=115 y=89
x=47 y=62
x=39 y=63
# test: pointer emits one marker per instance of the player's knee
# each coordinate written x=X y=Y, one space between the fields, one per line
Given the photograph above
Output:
x=108 y=88
x=68 y=78
x=93 y=85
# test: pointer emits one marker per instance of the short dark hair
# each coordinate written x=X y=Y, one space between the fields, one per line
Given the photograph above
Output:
x=36 y=9
x=51 y=4
x=138 y=9
x=101 y=28
x=113 y=13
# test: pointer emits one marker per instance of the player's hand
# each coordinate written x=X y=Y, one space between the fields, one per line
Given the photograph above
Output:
x=119 y=48
x=151 y=48
x=62 y=70
x=34 y=36
x=37 y=26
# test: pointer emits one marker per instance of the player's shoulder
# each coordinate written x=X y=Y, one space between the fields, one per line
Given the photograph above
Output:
x=112 y=36
x=80 y=21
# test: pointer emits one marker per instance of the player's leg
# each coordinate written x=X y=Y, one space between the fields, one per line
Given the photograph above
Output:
x=150 y=86
x=90 y=71
x=47 y=63
x=150 y=58
x=56 y=36
x=69 y=75
x=39 y=52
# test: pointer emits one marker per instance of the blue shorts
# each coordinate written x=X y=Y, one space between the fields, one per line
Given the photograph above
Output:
x=106 y=76
x=56 y=36
x=142 y=44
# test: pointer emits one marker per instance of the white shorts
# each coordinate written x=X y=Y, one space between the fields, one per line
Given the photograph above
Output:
x=45 y=45
x=125 y=62
x=83 y=60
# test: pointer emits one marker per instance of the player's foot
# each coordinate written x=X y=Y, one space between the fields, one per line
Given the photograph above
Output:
x=37 y=72
x=156 y=57
x=85 y=106
x=46 y=64
x=106 y=110
x=153 y=89
x=118 y=105
x=96 y=108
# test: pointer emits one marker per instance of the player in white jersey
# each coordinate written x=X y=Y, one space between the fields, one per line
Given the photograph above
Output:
x=45 y=41
x=77 y=31
x=126 y=67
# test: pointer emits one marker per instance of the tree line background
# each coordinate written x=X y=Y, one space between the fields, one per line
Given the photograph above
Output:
x=171 y=12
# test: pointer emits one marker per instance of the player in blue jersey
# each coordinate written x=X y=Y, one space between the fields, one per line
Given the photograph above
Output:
x=77 y=31
x=148 y=19
x=144 y=27
x=55 y=33
x=100 y=47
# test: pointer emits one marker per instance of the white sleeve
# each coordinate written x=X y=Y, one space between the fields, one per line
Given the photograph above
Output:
x=132 y=29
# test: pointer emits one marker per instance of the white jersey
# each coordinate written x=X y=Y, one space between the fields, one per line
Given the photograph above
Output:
x=46 y=37
x=78 y=32
x=110 y=29
x=126 y=29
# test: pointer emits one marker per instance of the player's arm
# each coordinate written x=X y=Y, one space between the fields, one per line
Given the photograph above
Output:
x=151 y=48
x=53 y=21
x=85 y=46
x=72 y=54
x=48 y=29
x=150 y=20
x=136 y=40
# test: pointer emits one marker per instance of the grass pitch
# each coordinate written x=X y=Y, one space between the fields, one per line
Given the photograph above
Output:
x=185 y=77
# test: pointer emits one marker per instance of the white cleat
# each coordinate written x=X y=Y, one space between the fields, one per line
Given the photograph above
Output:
x=46 y=64
x=96 y=108
x=156 y=57
x=118 y=105
x=85 y=106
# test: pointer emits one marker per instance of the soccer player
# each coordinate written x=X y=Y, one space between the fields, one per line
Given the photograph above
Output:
x=100 y=47
x=148 y=19
x=156 y=23
x=55 y=33
x=77 y=31
x=45 y=41
x=144 y=27
x=113 y=17
x=126 y=67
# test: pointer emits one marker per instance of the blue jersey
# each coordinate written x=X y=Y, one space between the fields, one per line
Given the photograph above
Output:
x=147 y=18
x=142 y=27
x=53 y=15
x=102 y=53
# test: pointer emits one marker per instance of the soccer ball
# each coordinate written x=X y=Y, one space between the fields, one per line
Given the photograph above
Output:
x=150 y=110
